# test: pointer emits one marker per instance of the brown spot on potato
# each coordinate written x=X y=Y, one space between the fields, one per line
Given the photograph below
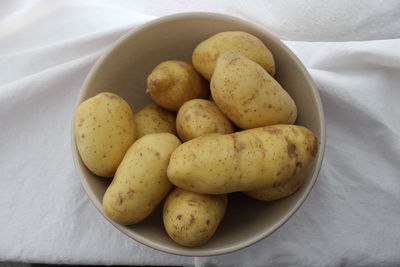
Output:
x=253 y=96
x=291 y=148
x=131 y=193
x=81 y=120
x=208 y=222
x=192 y=219
x=278 y=183
x=313 y=146
x=179 y=217
x=272 y=130
x=120 y=199
x=237 y=145
x=83 y=136
x=111 y=96
x=151 y=83
x=233 y=60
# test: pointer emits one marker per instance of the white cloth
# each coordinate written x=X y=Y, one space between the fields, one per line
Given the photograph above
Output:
x=352 y=215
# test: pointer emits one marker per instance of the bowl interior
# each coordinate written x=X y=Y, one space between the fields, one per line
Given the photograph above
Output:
x=124 y=69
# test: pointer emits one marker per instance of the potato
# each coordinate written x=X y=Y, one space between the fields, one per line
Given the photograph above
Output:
x=153 y=119
x=242 y=161
x=104 y=129
x=140 y=182
x=206 y=53
x=199 y=117
x=279 y=190
x=173 y=82
x=248 y=95
x=191 y=219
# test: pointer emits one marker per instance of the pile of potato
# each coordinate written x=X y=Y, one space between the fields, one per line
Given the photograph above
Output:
x=241 y=139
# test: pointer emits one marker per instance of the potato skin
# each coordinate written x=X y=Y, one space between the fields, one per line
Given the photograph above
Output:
x=278 y=191
x=173 y=82
x=191 y=219
x=198 y=117
x=104 y=129
x=248 y=95
x=206 y=53
x=242 y=161
x=153 y=119
x=140 y=182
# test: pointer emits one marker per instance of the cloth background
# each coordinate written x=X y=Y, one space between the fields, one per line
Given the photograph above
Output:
x=351 y=49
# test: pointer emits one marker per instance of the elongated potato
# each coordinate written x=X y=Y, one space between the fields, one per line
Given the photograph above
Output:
x=104 y=129
x=191 y=219
x=206 y=53
x=198 y=117
x=173 y=82
x=140 y=182
x=248 y=95
x=153 y=119
x=243 y=161
x=278 y=191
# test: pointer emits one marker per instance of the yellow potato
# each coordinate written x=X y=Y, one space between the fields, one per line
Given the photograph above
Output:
x=248 y=95
x=104 y=129
x=140 y=182
x=191 y=219
x=206 y=53
x=173 y=82
x=153 y=119
x=242 y=161
x=198 y=117
x=279 y=190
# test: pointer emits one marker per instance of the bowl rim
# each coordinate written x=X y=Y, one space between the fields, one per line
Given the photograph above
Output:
x=192 y=252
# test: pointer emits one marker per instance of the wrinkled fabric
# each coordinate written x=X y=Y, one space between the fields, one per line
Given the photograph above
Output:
x=351 y=49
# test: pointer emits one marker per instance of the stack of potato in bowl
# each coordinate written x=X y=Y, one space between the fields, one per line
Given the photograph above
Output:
x=221 y=125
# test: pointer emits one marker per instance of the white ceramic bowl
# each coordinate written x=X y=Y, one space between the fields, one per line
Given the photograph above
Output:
x=123 y=70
